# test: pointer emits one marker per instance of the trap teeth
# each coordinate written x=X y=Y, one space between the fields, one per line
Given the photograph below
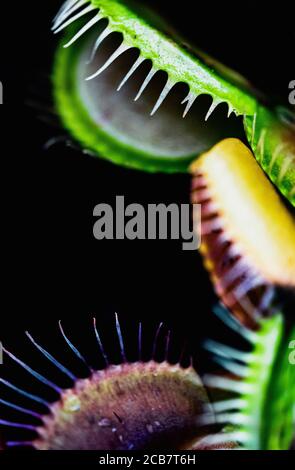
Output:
x=134 y=67
x=73 y=11
x=211 y=109
x=112 y=127
x=121 y=49
x=66 y=11
x=232 y=367
x=83 y=30
x=116 y=406
x=190 y=99
x=169 y=85
x=273 y=143
x=71 y=20
x=259 y=251
x=105 y=33
x=149 y=77
x=230 y=110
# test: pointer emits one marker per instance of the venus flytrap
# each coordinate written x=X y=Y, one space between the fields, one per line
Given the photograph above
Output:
x=248 y=248
x=260 y=414
x=115 y=407
x=105 y=66
x=117 y=77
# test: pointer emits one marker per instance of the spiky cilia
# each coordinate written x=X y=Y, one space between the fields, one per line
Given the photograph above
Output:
x=260 y=410
x=132 y=405
x=92 y=61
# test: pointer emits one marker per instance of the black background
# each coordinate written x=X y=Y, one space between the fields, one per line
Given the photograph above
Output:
x=54 y=268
